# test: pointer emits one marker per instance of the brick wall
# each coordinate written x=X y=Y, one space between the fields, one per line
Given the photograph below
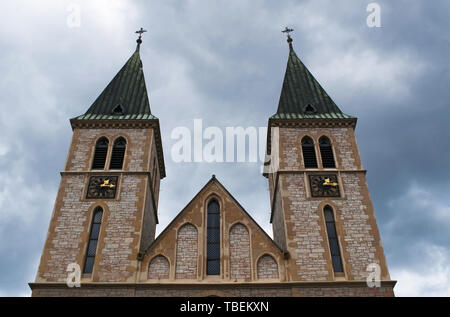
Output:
x=159 y=268
x=267 y=267
x=303 y=215
x=305 y=232
x=187 y=249
x=240 y=266
x=343 y=140
x=137 y=152
x=120 y=234
x=278 y=222
x=160 y=290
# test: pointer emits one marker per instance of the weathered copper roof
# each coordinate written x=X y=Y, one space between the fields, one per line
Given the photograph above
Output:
x=127 y=90
x=302 y=97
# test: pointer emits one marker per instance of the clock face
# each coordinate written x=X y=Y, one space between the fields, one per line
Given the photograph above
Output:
x=324 y=186
x=102 y=187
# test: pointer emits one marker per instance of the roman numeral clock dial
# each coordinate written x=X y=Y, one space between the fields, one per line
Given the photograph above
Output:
x=324 y=186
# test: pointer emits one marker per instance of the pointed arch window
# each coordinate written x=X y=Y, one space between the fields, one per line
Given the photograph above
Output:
x=118 y=154
x=326 y=152
x=101 y=149
x=213 y=239
x=333 y=240
x=309 y=153
x=93 y=240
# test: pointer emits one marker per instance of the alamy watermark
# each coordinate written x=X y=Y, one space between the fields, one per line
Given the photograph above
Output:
x=374 y=18
x=232 y=144
x=74 y=18
x=373 y=280
x=74 y=276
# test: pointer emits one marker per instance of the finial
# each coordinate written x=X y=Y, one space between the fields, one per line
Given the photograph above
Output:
x=139 y=40
x=289 y=39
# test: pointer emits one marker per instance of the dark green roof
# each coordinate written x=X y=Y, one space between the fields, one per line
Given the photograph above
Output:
x=301 y=89
x=128 y=90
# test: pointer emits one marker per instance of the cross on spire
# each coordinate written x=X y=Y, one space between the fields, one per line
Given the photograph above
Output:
x=289 y=39
x=139 y=40
x=140 y=32
x=287 y=30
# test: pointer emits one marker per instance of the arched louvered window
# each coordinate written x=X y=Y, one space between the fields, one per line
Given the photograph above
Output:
x=213 y=239
x=93 y=240
x=326 y=152
x=118 y=153
x=333 y=239
x=309 y=153
x=101 y=149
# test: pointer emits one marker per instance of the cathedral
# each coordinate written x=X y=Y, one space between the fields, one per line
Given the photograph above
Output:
x=102 y=230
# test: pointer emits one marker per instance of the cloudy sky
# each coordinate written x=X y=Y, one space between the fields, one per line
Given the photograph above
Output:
x=223 y=62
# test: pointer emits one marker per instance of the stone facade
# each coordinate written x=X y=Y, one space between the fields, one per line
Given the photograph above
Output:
x=267 y=267
x=301 y=215
x=121 y=236
x=240 y=263
x=159 y=268
x=296 y=263
x=130 y=261
x=223 y=289
x=187 y=247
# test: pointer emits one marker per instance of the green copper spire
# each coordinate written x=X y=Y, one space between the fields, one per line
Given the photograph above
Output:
x=126 y=96
x=302 y=96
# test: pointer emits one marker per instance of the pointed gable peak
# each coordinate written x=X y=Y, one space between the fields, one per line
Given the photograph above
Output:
x=302 y=96
x=125 y=97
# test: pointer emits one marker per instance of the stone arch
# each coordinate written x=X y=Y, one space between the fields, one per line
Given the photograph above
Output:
x=267 y=267
x=159 y=268
x=187 y=252
x=240 y=262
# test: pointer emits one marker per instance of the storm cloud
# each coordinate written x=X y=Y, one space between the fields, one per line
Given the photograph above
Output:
x=224 y=62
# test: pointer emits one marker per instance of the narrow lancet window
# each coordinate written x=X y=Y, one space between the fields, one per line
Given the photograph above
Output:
x=118 y=154
x=101 y=149
x=213 y=239
x=326 y=152
x=333 y=240
x=93 y=240
x=309 y=153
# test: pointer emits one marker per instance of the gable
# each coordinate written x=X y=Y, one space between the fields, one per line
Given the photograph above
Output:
x=184 y=242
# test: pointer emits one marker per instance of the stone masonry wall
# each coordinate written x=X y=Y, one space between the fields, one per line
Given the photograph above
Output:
x=267 y=267
x=342 y=139
x=240 y=264
x=159 y=268
x=355 y=221
x=120 y=232
x=278 y=222
x=305 y=232
x=150 y=290
x=137 y=151
x=187 y=250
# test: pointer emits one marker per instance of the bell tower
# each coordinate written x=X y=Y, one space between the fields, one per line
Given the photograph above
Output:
x=321 y=211
x=105 y=211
